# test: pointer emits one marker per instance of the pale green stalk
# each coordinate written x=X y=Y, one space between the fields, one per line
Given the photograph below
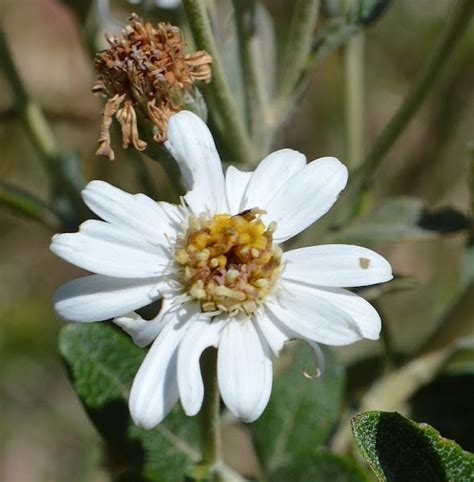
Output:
x=254 y=85
x=295 y=55
x=354 y=98
x=211 y=440
x=218 y=93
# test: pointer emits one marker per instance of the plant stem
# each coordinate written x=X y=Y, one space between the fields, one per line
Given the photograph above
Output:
x=218 y=93
x=211 y=443
x=295 y=56
x=250 y=56
x=455 y=27
x=353 y=82
x=39 y=130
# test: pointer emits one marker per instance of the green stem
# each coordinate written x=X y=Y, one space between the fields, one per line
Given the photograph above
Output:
x=218 y=93
x=211 y=443
x=255 y=94
x=38 y=129
x=295 y=55
x=353 y=82
x=454 y=29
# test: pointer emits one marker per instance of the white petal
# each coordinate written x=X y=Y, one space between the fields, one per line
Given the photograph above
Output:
x=273 y=331
x=338 y=265
x=111 y=251
x=98 y=298
x=306 y=196
x=244 y=370
x=190 y=142
x=271 y=174
x=203 y=333
x=137 y=212
x=360 y=310
x=155 y=388
x=236 y=183
x=312 y=316
x=142 y=331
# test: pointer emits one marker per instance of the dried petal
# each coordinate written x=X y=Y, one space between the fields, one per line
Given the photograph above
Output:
x=110 y=109
x=146 y=67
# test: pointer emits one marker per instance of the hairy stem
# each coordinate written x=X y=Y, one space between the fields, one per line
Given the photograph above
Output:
x=256 y=97
x=295 y=56
x=218 y=93
x=211 y=443
x=353 y=82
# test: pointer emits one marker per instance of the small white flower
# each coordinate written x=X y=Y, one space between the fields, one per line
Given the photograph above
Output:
x=224 y=281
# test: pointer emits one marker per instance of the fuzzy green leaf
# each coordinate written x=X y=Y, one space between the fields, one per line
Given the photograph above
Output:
x=402 y=219
x=300 y=415
x=399 y=449
x=102 y=362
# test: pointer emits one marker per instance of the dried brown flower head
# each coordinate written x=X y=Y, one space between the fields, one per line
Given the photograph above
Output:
x=145 y=69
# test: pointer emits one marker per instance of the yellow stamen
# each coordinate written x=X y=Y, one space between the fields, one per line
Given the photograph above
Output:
x=228 y=263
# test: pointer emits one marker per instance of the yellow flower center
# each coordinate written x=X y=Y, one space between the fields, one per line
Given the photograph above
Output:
x=229 y=263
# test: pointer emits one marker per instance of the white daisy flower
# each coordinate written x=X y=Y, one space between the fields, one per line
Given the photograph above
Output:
x=217 y=264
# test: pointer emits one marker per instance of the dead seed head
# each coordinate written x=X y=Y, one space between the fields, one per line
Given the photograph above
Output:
x=145 y=68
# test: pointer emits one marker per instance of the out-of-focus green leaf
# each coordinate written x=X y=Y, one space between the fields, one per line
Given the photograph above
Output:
x=402 y=219
x=446 y=402
x=399 y=449
x=365 y=12
x=341 y=28
x=325 y=466
x=102 y=362
x=392 y=391
x=300 y=416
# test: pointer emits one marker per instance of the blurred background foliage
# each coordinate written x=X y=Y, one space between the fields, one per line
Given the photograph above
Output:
x=44 y=433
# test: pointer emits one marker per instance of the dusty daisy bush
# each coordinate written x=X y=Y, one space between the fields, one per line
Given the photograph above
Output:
x=145 y=70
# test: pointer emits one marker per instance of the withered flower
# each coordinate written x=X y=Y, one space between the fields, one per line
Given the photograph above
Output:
x=145 y=69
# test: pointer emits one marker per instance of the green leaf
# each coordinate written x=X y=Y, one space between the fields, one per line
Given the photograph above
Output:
x=399 y=449
x=402 y=219
x=102 y=362
x=300 y=415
